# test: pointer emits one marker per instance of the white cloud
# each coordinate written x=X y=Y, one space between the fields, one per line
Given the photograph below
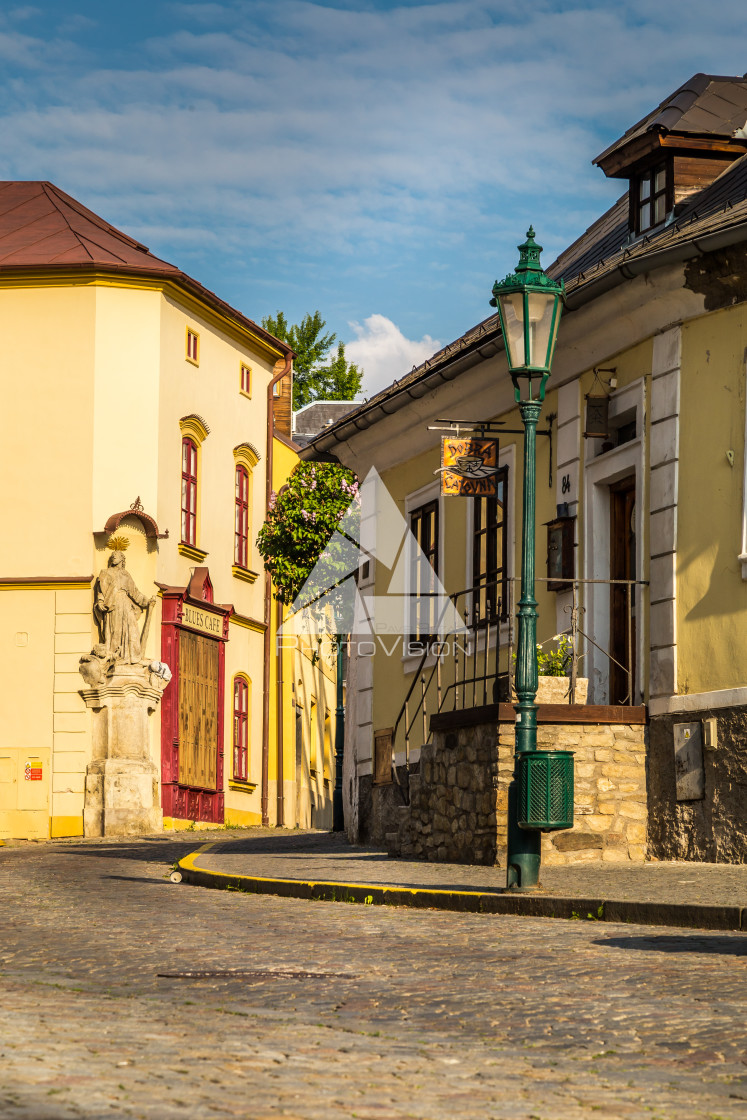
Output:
x=331 y=150
x=384 y=353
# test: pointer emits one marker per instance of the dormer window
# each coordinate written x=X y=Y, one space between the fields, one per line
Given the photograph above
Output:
x=651 y=194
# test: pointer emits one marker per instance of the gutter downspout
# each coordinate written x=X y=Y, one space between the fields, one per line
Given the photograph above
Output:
x=286 y=368
x=279 y=718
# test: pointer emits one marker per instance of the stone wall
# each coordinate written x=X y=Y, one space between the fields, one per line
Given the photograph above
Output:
x=610 y=792
x=458 y=800
x=713 y=827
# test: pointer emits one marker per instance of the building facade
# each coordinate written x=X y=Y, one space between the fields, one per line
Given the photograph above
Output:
x=137 y=462
x=641 y=538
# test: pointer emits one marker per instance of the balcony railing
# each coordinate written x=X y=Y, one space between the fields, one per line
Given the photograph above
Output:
x=475 y=667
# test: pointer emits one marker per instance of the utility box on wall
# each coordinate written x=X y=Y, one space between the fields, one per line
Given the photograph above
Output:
x=24 y=793
x=688 y=761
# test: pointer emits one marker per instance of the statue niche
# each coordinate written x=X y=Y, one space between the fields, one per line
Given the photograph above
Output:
x=123 y=690
x=117 y=609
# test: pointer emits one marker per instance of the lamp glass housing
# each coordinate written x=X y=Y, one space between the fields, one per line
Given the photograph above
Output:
x=529 y=304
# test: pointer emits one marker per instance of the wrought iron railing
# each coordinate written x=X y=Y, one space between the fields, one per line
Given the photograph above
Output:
x=461 y=670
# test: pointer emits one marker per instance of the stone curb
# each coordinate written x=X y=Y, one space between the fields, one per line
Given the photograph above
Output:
x=471 y=902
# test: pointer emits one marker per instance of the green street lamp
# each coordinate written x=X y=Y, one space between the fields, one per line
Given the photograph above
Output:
x=529 y=306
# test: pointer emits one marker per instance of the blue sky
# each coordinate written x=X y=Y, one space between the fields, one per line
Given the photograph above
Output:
x=377 y=160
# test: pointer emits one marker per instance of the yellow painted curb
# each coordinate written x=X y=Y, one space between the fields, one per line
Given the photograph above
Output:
x=496 y=902
x=188 y=864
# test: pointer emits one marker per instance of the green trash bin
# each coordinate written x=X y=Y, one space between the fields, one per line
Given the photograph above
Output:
x=545 y=790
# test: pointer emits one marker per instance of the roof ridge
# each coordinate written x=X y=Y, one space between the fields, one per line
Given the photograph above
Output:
x=57 y=196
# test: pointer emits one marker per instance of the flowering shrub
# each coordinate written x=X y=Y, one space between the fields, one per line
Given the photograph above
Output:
x=555 y=662
x=298 y=536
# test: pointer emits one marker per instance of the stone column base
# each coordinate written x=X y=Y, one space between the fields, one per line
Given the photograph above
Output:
x=121 y=798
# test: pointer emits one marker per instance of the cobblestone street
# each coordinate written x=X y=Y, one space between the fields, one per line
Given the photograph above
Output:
x=391 y=1013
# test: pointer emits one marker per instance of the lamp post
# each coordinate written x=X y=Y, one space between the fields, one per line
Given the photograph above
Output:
x=338 y=814
x=529 y=304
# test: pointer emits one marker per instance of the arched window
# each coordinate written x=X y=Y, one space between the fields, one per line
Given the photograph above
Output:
x=241 y=532
x=189 y=492
x=241 y=729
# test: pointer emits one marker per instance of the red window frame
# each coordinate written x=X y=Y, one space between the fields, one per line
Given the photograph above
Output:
x=246 y=379
x=189 y=491
x=240 y=729
x=241 y=518
x=193 y=352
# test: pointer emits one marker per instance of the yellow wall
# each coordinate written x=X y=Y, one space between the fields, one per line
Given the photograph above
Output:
x=97 y=371
x=47 y=423
x=712 y=597
x=307 y=793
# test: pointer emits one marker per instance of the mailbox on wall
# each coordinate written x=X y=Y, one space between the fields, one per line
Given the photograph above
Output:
x=561 y=558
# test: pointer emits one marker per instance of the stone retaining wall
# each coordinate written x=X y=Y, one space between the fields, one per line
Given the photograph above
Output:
x=458 y=800
x=712 y=827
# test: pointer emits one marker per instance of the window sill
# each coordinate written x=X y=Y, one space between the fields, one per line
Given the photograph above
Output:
x=244 y=393
x=610 y=452
x=192 y=361
x=241 y=786
x=191 y=553
x=244 y=573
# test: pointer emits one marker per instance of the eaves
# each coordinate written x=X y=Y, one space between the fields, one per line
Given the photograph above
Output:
x=578 y=295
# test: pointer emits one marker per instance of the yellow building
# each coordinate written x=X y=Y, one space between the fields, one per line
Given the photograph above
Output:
x=135 y=416
x=303 y=679
x=641 y=478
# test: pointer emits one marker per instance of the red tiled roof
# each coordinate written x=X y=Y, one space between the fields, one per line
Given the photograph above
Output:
x=707 y=104
x=41 y=227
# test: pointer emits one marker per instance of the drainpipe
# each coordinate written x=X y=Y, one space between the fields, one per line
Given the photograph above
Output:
x=279 y=677
x=287 y=364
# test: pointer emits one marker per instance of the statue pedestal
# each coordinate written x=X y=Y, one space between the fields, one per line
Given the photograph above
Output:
x=121 y=796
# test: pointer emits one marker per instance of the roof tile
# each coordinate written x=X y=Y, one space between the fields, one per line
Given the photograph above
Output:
x=42 y=227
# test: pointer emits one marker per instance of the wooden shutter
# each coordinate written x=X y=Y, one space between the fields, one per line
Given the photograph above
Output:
x=198 y=711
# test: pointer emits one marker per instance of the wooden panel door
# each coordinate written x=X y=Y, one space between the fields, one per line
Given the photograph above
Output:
x=198 y=711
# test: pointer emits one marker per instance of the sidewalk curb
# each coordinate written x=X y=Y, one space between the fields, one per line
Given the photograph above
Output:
x=470 y=902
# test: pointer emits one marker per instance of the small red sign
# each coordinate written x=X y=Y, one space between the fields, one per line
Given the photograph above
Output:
x=33 y=773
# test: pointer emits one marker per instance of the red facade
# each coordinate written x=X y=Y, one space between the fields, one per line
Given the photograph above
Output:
x=186 y=612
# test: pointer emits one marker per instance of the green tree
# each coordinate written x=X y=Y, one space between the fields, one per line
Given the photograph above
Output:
x=340 y=380
x=312 y=378
x=298 y=537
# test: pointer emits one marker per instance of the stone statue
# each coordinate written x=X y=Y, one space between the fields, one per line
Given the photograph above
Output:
x=94 y=666
x=118 y=607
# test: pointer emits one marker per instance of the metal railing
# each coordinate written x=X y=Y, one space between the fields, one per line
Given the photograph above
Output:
x=465 y=672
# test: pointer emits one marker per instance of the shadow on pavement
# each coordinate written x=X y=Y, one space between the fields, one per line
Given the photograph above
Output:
x=173 y=847
x=681 y=943
x=139 y=879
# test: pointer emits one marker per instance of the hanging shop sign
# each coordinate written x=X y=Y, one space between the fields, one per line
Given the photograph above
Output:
x=469 y=467
x=597 y=416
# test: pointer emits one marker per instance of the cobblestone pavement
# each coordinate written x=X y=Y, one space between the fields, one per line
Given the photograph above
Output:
x=390 y=1014
x=327 y=857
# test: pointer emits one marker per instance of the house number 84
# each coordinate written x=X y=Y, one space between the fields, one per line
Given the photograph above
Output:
x=566 y=483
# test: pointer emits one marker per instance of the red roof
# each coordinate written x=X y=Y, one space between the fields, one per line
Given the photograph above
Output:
x=41 y=227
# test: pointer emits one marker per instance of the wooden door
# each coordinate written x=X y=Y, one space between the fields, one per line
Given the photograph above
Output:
x=622 y=609
x=198 y=711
